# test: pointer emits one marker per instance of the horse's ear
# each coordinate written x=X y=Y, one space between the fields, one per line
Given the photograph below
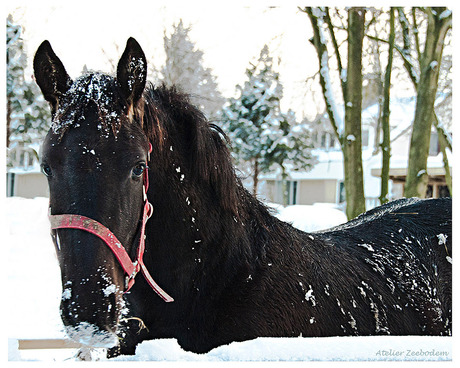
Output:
x=132 y=72
x=50 y=75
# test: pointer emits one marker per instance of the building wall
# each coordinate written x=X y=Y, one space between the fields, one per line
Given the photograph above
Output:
x=30 y=185
x=317 y=191
x=269 y=190
x=308 y=191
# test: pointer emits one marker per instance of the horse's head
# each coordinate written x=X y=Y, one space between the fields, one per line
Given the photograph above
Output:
x=94 y=157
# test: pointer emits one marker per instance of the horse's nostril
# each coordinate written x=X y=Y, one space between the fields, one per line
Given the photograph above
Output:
x=98 y=309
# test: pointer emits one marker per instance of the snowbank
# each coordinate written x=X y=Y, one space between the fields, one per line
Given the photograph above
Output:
x=34 y=292
x=332 y=349
x=34 y=277
x=373 y=348
x=319 y=216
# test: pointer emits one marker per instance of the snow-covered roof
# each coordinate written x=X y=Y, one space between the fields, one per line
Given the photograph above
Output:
x=398 y=165
x=402 y=112
x=330 y=163
x=35 y=169
x=329 y=166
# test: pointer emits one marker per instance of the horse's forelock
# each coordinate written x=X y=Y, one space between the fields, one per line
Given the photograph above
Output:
x=96 y=89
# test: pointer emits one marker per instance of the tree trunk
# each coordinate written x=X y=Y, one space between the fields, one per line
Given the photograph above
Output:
x=417 y=176
x=444 y=144
x=284 y=187
x=255 y=177
x=445 y=163
x=8 y=121
x=386 y=149
x=352 y=145
x=350 y=140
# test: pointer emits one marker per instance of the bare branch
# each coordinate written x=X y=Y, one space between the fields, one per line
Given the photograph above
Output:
x=316 y=18
x=330 y=27
x=386 y=147
x=413 y=75
x=415 y=32
x=408 y=64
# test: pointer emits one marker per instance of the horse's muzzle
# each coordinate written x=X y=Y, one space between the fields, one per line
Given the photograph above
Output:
x=91 y=323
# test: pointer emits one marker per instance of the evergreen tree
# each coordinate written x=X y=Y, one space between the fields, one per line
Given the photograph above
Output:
x=184 y=69
x=27 y=114
x=262 y=135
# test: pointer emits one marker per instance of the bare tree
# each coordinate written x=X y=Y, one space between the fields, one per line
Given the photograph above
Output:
x=385 y=121
x=418 y=25
x=439 y=22
x=352 y=144
x=351 y=83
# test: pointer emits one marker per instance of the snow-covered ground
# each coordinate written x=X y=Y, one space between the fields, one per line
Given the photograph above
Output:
x=34 y=291
x=319 y=216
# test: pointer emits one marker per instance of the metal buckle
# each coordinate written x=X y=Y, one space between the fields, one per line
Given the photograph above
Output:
x=145 y=192
x=128 y=278
x=150 y=212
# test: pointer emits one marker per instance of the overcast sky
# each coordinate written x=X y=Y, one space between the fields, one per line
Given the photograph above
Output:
x=231 y=35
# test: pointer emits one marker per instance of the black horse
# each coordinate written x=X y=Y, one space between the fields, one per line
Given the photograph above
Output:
x=235 y=271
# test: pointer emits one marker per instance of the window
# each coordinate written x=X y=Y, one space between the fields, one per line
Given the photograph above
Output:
x=365 y=138
x=434 y=144
x=294 y=192
x=22 y=159
x=290 y=193
x=314 y=137
x=333 y=141
x=323 y=140
x=429 y=191
x=31 y=159
x=10 y=178
x=443 y=191
x=342 y=195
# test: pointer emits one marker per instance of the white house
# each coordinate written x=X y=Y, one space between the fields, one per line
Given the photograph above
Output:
x=23 y=176
x=324 y=182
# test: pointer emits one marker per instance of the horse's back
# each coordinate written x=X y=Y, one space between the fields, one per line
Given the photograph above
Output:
x=411 y=220
x=405 y=245
x=419 y=212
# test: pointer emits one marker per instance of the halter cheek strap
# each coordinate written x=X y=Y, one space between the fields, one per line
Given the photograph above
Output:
x=71 y=221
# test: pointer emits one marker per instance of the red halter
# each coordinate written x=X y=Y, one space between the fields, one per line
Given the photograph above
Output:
x=69 y=221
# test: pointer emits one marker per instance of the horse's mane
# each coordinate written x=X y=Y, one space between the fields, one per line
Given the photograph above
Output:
x=170 y=118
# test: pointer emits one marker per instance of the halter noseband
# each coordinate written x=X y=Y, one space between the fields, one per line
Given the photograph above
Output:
x=70 y=221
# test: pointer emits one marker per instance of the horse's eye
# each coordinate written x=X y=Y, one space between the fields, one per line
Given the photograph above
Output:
x=138 y=170
x=46 y=170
